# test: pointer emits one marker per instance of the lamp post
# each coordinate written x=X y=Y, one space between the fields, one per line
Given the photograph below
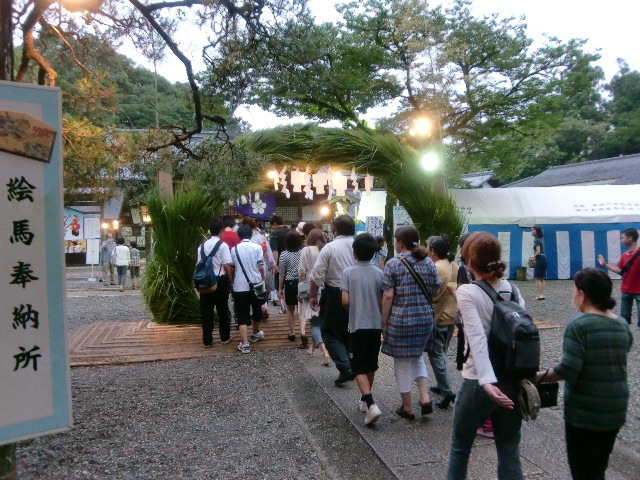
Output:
x=429 y=143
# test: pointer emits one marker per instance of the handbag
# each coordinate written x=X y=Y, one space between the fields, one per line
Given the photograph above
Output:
x=303 y=289
x=532 y=262
x=258 y=289
x=548 y=392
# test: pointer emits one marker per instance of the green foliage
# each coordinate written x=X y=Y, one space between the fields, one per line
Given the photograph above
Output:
x=381 y=155
x=179 y=226
x=624 y=108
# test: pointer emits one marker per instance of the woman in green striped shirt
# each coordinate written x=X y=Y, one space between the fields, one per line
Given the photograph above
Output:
x=594 y=368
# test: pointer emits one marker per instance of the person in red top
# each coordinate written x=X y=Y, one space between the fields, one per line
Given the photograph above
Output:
x=228 y=236
x=630 y=288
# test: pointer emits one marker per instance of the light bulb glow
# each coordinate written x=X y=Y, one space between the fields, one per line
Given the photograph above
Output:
x=422 y=126
x=105 y=225
x=430 y=161
x=115 y=224
x=324 y=211
x=271 y=174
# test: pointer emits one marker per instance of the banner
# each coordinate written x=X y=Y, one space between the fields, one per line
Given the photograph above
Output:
x=260 y=208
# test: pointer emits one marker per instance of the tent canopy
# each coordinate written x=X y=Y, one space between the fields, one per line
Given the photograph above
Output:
x=550 y=205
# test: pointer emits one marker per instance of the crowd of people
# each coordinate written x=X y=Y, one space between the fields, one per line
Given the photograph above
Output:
x=118 y=259
x=359 y=303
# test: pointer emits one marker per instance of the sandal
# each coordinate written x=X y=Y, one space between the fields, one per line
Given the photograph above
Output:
x=401 y=412
x=326 y=361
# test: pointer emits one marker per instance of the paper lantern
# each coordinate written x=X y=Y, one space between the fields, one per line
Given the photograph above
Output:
x=368 y=184
x=297 y=180
x=319 y=182
x=339 y=182
x=354 y=181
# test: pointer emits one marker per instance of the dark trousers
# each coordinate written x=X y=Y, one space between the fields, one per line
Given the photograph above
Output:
x=335 y=330
x=219 y=301
x=588 y=451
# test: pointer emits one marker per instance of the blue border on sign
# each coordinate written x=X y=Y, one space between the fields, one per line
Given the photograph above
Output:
x=61 y=419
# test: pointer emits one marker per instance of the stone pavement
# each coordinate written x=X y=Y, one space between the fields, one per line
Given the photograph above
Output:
x=419 y=449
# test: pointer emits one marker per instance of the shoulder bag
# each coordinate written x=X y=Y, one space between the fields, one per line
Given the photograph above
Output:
x=628 y=265
x=258 y=289
x=418 y=279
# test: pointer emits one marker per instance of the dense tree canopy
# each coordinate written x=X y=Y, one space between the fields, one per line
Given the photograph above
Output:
x=496 y=100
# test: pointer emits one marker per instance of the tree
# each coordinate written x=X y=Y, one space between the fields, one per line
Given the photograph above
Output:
x=143 y=23
x=624 y=108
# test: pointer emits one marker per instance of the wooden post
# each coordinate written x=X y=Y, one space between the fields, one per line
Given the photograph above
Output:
x=6 y=40
x=8 y=462
x=165 y=185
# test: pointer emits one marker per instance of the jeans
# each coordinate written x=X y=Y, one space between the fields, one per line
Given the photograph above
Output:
x=316 y=326
x=438 y=357
x=122 y=274
x=626 y=305
x=335 y=330
x=219 y=301
x=588 y=451
x=472 y=408
x=107 y=268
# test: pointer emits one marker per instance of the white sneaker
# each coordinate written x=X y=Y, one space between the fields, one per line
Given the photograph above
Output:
x=362 y=406
x=256 y=337
x=373 y=414
x=244 y=347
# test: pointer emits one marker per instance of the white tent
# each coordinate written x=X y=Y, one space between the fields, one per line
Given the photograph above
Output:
x=579 y=222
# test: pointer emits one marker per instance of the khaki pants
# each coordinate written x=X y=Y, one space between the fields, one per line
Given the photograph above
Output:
x=107 y=267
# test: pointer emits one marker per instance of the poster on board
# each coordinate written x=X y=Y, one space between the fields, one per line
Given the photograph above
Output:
x=34 y=365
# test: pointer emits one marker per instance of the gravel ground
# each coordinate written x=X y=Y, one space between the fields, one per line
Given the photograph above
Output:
x=226 y=418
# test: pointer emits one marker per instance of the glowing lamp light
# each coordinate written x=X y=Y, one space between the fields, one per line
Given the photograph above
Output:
x=271 y=174
x=146 y=218
x=324 y=211
x=421 y=127
x=115 y=224
x=104 y=225
x=430 y=161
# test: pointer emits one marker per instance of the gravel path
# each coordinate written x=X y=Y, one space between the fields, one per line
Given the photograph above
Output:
x=225 y=418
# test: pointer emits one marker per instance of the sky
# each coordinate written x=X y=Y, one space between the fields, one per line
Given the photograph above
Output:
x=607 y=27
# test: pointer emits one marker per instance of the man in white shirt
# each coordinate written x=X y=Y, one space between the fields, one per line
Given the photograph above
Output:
x=248 y=262
x=334 y=258
x=222 y=267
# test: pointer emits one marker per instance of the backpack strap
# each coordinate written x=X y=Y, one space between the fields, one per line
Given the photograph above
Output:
x=493 y=295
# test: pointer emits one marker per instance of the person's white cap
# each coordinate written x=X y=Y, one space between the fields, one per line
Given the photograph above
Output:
x=299 y=227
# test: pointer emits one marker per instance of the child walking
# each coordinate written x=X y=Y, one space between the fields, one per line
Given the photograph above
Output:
x=361 y=286
x=134 y=264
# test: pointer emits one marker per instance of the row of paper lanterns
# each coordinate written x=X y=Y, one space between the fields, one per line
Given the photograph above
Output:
x=304 y=181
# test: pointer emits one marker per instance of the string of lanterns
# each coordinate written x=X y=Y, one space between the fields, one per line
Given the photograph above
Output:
x=325 y=180
x=303 y=181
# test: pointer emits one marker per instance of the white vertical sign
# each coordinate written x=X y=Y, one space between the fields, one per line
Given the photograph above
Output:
x=34 y=367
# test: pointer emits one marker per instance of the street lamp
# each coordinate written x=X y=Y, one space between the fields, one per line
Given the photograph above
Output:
x=430 y=161
x=420 y=131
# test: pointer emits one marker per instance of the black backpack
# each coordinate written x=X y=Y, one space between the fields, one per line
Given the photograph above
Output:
x=514 y=340
x=204 y=279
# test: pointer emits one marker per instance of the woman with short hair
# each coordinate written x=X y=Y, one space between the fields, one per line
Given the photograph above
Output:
x=594 y=368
